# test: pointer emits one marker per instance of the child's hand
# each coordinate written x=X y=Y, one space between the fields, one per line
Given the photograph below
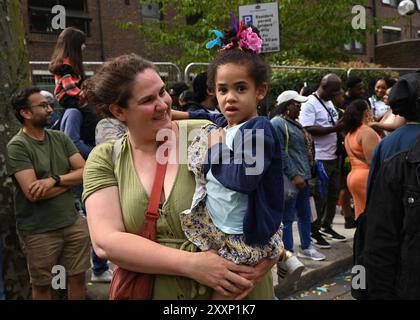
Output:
x=215 y=137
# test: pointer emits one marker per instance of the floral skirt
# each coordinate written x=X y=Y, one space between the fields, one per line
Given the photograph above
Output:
x=201 y=231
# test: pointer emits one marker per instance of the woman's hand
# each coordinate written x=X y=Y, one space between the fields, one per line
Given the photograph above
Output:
x=374 y=125
x=260 y=270
x=224 y=276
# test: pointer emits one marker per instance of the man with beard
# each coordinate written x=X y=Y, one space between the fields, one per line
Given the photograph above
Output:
x=355 y=90
x=44 y=165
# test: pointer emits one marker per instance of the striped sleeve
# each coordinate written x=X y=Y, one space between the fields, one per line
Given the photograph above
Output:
x=69 y=85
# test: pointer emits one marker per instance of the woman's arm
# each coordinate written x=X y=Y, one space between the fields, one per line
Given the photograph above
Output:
x=398 y=122
x=135 y=253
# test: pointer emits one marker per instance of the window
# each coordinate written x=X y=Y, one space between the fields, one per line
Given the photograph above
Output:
x=40 y=15
x=391 y=34
x=355 y=46
x=150 y=11
x=391 y=3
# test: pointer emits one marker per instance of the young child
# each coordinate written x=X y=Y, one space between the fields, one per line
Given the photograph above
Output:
x=238 y=205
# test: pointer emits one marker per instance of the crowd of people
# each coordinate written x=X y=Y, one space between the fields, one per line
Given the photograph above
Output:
x=84 y=175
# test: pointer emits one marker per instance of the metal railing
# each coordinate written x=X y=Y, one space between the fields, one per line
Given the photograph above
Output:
x=171 y=73
x=187 y=72
x=42 y=78
x=399 y=70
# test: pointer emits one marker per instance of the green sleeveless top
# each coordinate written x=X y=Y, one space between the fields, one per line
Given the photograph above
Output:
x=100 y=172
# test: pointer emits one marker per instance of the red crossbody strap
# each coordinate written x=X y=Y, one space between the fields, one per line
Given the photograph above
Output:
x=157 y=189
x=152 y=213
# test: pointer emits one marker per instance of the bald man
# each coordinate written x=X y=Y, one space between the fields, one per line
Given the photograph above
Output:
x=320 y=118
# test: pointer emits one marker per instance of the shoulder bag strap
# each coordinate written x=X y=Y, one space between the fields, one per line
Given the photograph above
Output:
x=287 y=136
x=352 y=152
x=148 y=230
x=325 y=107
x=152 y=213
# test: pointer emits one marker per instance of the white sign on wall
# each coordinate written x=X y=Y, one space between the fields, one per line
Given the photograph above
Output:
x=264 y=16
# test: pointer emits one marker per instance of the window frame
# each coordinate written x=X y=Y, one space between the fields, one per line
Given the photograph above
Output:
x=353 y=49
x=72 y=14
x=390 y=29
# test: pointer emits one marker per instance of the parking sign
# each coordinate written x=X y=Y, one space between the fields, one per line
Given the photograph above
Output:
x=264 y=16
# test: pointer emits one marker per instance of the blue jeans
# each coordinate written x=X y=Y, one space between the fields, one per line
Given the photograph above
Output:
x=300 y=205
x=2 y=293
x=99 y=265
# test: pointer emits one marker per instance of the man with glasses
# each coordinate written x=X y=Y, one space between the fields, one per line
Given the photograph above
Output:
x=320 y=118
x=44 y=165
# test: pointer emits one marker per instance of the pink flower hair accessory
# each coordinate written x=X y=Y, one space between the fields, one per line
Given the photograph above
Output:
x=250 y=40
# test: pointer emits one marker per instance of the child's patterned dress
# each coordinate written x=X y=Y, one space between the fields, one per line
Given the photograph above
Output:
x=197 y=223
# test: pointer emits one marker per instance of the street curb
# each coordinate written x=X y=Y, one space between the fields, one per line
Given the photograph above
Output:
x=317 y=272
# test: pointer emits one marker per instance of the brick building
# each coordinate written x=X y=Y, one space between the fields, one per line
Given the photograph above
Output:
x=387 y=45
x=98 y=18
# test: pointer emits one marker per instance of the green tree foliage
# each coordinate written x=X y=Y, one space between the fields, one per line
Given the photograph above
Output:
x=14 y=73
x=312 y=30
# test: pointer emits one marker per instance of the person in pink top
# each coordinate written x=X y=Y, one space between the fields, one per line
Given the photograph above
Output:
x=360 y=143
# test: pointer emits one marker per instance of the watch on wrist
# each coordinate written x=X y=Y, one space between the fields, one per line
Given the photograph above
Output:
x=57 y=180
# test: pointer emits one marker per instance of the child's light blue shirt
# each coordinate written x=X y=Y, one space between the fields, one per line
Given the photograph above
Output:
x=227 y=208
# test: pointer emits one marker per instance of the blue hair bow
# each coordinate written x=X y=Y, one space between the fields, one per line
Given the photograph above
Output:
x=215 y=42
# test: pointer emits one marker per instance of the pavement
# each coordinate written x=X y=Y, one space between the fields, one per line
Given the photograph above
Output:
x=336 y=288
x=339 y=259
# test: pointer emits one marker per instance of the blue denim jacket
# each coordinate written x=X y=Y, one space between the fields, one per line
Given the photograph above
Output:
x=295 y=162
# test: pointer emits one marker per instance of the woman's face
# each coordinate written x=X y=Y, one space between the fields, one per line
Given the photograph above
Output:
x=83 y=46
x=293 y=110
x=367 y=115
x=149 y=108
x=387 y=95
x=380 y=88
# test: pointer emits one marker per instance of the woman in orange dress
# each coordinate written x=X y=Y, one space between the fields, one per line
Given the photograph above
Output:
x=360 y=143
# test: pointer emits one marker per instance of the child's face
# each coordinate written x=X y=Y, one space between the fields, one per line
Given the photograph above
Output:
x=237 y=93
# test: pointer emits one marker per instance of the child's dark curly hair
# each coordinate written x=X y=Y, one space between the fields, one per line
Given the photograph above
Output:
x=258 y=67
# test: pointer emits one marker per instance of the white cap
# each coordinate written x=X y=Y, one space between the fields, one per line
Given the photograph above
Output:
x=290 y=95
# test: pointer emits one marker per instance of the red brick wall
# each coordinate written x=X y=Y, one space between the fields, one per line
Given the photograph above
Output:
x=403 y=54
x=405 y=23
x=409 y=27
x=115 y=40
